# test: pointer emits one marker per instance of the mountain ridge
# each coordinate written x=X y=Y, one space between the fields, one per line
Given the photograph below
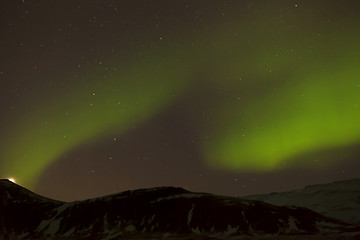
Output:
x=339 y=199
x=163 y=210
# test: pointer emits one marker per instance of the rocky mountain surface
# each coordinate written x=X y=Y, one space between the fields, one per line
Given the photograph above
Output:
x=165 y=211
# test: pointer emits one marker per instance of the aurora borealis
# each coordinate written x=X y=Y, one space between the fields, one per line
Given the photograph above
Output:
x=230 y=97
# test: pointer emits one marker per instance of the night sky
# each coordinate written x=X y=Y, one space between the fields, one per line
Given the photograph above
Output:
x=228 y=97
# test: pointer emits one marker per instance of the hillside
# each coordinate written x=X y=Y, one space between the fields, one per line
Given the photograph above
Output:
x=162 y=211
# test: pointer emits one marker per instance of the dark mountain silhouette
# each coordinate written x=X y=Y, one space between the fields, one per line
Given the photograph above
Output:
x=168 y=211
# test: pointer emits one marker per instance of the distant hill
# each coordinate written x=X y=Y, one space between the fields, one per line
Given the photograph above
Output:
x=168 y=212
x=340 y=200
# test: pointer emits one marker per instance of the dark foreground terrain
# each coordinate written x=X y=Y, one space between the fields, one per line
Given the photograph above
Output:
x=160 y=213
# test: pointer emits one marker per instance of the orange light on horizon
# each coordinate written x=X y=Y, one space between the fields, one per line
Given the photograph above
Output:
x=12 y=180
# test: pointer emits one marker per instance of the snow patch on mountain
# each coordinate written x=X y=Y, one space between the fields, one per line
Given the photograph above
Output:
x=190 y=214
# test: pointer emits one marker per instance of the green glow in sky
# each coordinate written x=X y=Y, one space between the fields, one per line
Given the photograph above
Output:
x=290 y=89
x=124 y=98
x=292 y=95
x=318 y=111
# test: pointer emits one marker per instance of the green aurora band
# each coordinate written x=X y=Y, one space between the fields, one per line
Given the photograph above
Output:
x=321 y=111
x=126 y=97
x=294 y=97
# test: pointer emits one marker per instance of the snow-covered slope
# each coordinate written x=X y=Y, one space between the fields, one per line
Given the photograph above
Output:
x=340 y=200
x=163 y=210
